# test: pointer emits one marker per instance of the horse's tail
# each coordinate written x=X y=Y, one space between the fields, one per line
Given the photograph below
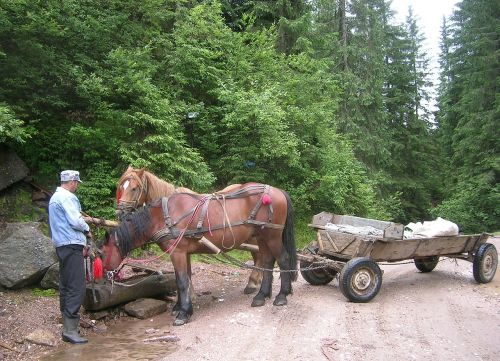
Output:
x=289 y=238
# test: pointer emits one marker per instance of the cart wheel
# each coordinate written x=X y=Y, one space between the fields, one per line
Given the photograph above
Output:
x=485 y=263
x=426 y=264
x=360 y=279
x=315 y=277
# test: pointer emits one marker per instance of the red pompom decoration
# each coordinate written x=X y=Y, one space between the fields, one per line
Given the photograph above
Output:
x=266 y=199
x=98 y=272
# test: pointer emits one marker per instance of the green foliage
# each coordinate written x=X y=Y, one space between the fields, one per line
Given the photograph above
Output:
x=16 y=206
x=303 y=233
x=97 y=192
x=11 y=129
x=204 y=93
x=474 y=206
x=469 y=114
x=259 y=137
x=338 y=184
x=50 y=292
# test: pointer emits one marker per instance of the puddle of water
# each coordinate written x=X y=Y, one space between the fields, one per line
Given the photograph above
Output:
x=123 y=341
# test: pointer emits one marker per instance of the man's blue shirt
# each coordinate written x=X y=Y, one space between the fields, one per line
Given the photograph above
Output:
x=66 y=223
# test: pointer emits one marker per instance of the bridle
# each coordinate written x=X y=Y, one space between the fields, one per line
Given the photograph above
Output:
x=110 y=275
x=128 y=206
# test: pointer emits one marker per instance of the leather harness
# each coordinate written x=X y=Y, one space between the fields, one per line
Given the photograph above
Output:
x=171 y=231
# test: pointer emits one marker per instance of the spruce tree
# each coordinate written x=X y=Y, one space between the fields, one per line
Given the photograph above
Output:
x=469 y=117
x=408 y=101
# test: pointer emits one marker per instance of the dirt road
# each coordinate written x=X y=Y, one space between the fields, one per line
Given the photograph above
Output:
x=442 y=315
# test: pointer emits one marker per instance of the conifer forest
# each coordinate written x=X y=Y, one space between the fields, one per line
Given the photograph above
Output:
x=330 y=100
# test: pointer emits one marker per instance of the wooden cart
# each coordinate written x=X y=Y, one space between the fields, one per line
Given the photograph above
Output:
x=354 y=257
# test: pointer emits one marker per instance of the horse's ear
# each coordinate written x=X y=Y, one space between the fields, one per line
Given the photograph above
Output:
x=129 y=168
x=140 y=172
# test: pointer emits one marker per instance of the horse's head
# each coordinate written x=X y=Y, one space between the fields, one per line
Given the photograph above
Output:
x=111 y=253
x=131 y=191
x=135 y=230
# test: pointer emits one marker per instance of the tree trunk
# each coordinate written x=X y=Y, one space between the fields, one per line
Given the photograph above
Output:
x=108 y=295
x=343 y=30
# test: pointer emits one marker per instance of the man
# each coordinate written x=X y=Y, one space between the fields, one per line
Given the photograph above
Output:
x=69 y=232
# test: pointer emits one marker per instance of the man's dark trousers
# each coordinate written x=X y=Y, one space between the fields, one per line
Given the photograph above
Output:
x=71 y=279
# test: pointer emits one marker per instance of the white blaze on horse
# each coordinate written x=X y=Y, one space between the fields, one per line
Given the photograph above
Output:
x=226 y=220
x=137 y=187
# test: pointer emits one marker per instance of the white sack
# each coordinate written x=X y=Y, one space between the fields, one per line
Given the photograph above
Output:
x=438 y=228
x=363 y=230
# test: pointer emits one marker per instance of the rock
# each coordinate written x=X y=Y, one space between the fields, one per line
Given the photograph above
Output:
x=164 y=338
x=26 y=254
x=145 y=308
x=51 y=277
x=150 y=331
x=100 y=328
x=42 y=337
x=99 y=315
x=12 y=168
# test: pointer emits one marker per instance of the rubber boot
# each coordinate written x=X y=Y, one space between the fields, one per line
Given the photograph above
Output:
x=70 y=331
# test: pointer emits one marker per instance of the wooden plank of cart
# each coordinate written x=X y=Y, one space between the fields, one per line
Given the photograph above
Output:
x=353 y=257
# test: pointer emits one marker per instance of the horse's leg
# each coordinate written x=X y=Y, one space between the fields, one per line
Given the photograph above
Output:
x=255 y=279
x=184 y=304
x=192 y=294
x=267 y=278
x=282 y=247
x=286 y=279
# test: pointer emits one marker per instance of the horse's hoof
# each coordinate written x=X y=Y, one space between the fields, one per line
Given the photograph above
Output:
x=181 y=319
x=280 y=301
x=179 y=322
x=258 y=302
x=249 y=290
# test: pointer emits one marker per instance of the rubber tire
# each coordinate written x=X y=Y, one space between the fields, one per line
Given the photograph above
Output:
x=426 y=264
x=359 y=270
x=318 y=277
x=485 y=257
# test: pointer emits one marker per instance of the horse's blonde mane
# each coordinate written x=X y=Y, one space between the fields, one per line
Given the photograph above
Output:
x=157 y=187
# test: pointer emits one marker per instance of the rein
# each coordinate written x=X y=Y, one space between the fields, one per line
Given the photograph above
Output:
x=172 y=232
x=172 y=247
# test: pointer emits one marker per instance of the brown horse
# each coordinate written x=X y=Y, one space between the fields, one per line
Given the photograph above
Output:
x=178 y=222
x=137 y=187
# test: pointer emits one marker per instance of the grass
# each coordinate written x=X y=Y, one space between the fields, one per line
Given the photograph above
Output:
x=44 y=293
x=303 y=233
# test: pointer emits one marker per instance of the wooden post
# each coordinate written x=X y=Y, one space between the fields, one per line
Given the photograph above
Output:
x=100 y=222
x=248 y=247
